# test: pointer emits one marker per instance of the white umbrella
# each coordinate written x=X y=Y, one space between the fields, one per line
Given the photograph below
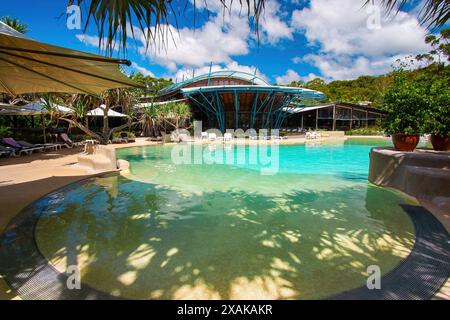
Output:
x=99 y=112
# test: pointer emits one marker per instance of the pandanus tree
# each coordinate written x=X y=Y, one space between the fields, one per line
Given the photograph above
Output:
x=81 y=104
x=155 y=119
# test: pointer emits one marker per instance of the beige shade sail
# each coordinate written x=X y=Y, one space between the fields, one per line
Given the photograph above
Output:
x=28 y=66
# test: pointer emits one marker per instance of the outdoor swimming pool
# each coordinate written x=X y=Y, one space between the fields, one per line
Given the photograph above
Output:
x=204 y=231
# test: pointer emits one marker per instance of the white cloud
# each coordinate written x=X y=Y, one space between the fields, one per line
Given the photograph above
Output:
x=348 y=48
x=297 y=60
x=309 y=77
x=292 y=75
x=287 y=78
x=216 y=41
x=273 y=28
x=224 y=36
x=186 y=73
x=142 y=70
x=89 y=40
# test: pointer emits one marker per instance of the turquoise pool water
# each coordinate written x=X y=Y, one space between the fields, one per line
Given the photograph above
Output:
x=225 y=226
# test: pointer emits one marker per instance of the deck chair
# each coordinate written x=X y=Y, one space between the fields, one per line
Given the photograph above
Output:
x=67 y=142
x=212 y=137
x=228 y=137
x=126 y=137
x=20 y=148
x=45 y=146
x=7 y=151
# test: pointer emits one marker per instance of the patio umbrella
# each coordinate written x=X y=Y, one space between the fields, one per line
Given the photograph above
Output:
x=98 y=112
x=28 y=66
x=32 y=109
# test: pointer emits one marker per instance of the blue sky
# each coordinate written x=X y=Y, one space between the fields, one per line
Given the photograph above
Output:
x=299 y=39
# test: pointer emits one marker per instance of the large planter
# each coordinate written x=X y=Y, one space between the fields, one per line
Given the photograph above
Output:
x=440 y=143
x=405 y=142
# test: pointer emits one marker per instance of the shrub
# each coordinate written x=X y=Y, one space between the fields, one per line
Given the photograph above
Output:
x=373 y=131
x=5 y=131
x=406 y=104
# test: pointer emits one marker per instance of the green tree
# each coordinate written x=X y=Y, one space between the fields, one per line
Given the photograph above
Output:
x=440 y=47
x=406 y=103
x=15 y=24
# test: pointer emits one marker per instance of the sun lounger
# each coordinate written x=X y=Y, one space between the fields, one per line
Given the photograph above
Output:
x=6 y=151
x=204 y=135
x=126 y=137
x=228 y=137
x=20 y=148
x=212 y=137
x=68 y=143
x=45 y=146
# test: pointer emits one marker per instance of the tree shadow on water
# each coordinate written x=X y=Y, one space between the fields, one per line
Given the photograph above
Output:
x=138 y=240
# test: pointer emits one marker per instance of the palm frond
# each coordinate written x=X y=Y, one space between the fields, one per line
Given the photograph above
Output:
x=433 y=13
x=115 y=20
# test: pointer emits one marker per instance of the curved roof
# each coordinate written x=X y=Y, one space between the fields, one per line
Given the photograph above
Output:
x=218 y=74
x=302 y=92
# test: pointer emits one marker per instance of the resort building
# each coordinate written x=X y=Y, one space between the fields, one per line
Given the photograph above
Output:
x=233 y=99
x=337 y=116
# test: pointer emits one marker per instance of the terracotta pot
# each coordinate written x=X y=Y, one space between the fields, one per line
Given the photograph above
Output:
x=440 y=143
x=405 y=142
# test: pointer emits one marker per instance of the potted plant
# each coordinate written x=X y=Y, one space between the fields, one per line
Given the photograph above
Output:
x=437 y=118
x=405 y=103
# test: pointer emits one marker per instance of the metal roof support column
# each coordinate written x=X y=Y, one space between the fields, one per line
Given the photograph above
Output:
x=236 y=109
x=269 y=114
x=253 y=112
x=221 y=113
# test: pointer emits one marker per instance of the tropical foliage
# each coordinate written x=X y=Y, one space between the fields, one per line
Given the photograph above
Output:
x=5 y=131
x=115 y=20
x=437 y=117
x=81 y=104
x=156 y=119
x=405 y=102
x=419 y=103
x=432 y=12
x=152 y=84
x=15 y=24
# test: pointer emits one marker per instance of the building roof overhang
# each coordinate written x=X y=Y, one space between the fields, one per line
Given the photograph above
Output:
x=304 y=93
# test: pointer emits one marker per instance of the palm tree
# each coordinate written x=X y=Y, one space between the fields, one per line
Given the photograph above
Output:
x=114 y=19
x=434 y=13
x=156 y=118
x=15 y=24
x=150 y=121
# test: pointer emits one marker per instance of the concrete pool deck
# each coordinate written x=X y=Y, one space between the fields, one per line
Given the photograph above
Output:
x=26 y=179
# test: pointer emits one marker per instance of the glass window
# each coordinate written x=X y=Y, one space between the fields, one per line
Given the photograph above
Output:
x=326 y=113
x=343 y=113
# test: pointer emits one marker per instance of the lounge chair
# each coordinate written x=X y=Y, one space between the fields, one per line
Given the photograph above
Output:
x=228 y=137
x=7 y=151
x=253 y=136
x=212 y=137
x=67 y=142
x=20 y=148
x=204 y=135
x=126 y=137
x=45 y=146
